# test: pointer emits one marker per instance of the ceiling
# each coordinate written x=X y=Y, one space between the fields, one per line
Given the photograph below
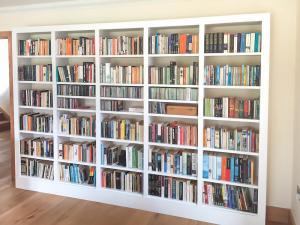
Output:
x=11 y=3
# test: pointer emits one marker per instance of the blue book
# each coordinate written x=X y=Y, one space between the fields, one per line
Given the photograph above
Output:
x=232 y=169
x=219 y=167
x=229 y=76
x=217 y=76
x=243 y=42
x=71 y=173
x=256 y=42
x=205 y=166
x=236 y=170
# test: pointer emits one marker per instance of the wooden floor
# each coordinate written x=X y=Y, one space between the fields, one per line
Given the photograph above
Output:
x=20 y=207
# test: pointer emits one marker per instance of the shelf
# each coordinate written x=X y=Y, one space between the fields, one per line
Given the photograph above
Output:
x=35 y=132
x=76 y=83
x=231 y=119
x=123 y=99
x=230 y=183
x=174 y=101
x=35 y=82
x=173 y=146
x=173 y=116
x=231 y=87
x=174 y=85
x=173 y=55
x=187 y=177
x=230 y=151
x=81 y=97
x=122 y=141
x=35 y=107
x=75 y=56
x=121 y=56
x=171 y=200
x=77 y=136
x=77 y=110
x=76 y=162
x=234 y=54
x=122 y=85
x=121 y=191
x=37 y=178
x=34 y=56
x=36 y=157
x=78 y=184
x=122 y=113
x=121 y=168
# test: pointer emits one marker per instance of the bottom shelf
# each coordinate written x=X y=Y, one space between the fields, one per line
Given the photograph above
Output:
x=37 y=168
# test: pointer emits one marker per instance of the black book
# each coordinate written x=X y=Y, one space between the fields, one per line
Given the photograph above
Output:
x=220 y=42
x=206 y=49
x=215 y=45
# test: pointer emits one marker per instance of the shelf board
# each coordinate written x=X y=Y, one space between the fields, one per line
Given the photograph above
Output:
x=231 y=119
x=230 y=183
x=75 y=56
x=76 y=162
x=174 y=85
x=78 y=184
x=76 y=136
x=187 y=177
x=35 y=107
x=77 y=110
x=122 y=113
x=77 y=83
x=121 y=191
x=231 y=87
x=171 y=200
x=173 y=101
x=172 y=116
x=34 y=56
x=121 y=168
x=173 y=146
x=36 y=157
x=174 y=55
x=230 y=151
x=122 y=141
x=35 y=132
x=123 y=99
x=81 y=97
x=234 y=54
x=35 y=82
x=37 y=178
x=121 y=56
x=121 y=85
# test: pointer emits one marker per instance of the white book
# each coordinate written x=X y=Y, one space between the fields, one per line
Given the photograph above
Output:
x=252 y=42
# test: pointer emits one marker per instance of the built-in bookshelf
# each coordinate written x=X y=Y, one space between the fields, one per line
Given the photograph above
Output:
x=168 y=116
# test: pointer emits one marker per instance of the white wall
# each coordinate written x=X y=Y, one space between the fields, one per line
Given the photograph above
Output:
x=4 y=75
x=282 y=70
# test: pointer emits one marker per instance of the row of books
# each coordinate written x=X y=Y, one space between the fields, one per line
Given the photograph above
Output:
x=40 y=147
x=243 y=139
x=232 y=42
x=37 y=168
x=130 y=156
x=122 y=180
x=121 y=92
x=173 y=133
x=172 y=161
x=38 y=98
x=238 y=198
x=84 y=73
x=174 y=74
x=157 y=107
x=34 y=47
x=78 y=152
x=112 y=105
x=186 y=94
x=121 y=45
x=231 y=107
x=35 y=73
x=75 y=46
x=78 y=174
x=121 y=74
x=71 y=103
x=77 y=125
x=173 y=43
x=76 y=90
x=227 y=75
x=124 y=129
x=36 y=122
x=173 y=188
x=229 y=168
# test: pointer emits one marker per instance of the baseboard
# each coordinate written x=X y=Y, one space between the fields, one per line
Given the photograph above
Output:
x=292 y=220
x=279 y=215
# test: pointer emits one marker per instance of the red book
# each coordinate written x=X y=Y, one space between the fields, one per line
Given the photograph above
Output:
x=246 y=108
x=227 y=173
x=182 y=43
x=224 y=167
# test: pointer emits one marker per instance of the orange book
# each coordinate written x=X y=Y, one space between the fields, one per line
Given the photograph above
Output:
x=66 y=152
x=224 y=166
x=204 y=137
x=182 y=43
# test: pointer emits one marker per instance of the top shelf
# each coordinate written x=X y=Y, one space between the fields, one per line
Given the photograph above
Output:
x=234 y=54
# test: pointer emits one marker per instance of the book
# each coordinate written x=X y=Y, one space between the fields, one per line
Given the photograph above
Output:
x=40 y=147
x=35 y=73
x=75 y=46
x=37 y=168
x=72 y=103
x=121 y=45
x=34 y=47
x=36 y=122
x=121 y=92
x=187 y=94
x=173 y=133
x=172 y=188
x=84 y=73
x=112 y=105
x=76 y=90
x=122 y=180
x=37 y=98
x=78 y=152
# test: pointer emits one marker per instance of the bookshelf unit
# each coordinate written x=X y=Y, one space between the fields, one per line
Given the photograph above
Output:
x=127 y=101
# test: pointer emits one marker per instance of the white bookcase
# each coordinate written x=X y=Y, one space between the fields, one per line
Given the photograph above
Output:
x=200 y=26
